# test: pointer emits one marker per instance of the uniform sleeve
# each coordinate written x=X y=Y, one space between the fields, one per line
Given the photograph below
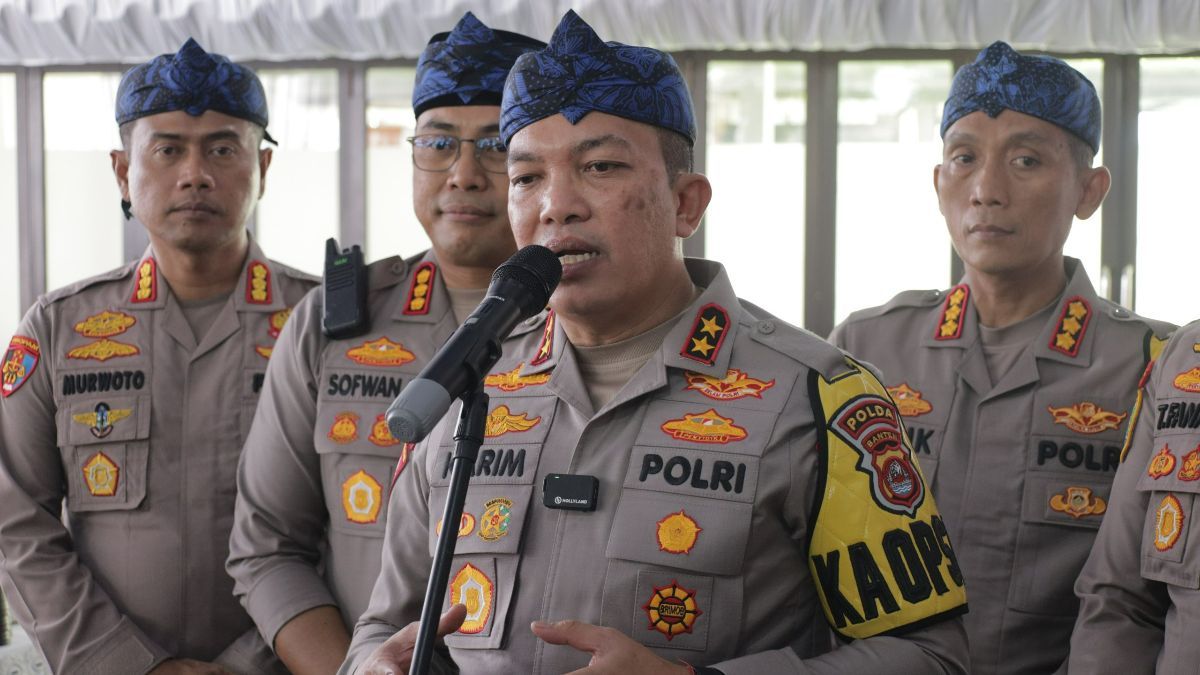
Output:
x=280 y=517
x=1121 y=614
x=60 y=604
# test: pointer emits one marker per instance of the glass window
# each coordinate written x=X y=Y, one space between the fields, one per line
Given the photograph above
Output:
x=755 y=159
x=890 y=234
x=1084 y=242
x=84 y=225
x=1167 y=142
x=299 y=209
x=10 y=274
x=392 y=226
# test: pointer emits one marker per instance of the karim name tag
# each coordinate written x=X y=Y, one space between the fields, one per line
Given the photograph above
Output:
x=571 y=492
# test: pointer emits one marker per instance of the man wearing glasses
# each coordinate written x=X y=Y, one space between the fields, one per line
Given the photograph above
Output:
x=319 y=460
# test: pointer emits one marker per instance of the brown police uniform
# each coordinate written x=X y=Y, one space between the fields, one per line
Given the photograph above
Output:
x=729 y=513
x=1021 y=468
x=1139 y=605
x=317 y=467
x=113 y=406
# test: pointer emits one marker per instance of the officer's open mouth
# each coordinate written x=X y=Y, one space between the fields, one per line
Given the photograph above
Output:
x=572 y=257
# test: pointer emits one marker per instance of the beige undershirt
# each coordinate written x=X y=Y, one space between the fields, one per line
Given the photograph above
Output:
x=200 y=314
x=606 y=368
x=1002 y=347
x=463 y=301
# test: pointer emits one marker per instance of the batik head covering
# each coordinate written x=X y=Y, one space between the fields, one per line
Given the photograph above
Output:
x=578 y=73
x=1041 y=86
x=467 y=66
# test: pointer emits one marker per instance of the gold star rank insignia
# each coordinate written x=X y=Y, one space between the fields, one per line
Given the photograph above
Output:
x=708 y=334
x=420 y=289
x=950 y=323
x=1072 y=324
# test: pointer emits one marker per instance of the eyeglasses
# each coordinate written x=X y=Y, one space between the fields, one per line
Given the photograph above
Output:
x=438 y=152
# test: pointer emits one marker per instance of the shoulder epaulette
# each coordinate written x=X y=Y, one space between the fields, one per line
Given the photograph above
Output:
x=78 y=286
x=386 y=273
x=902 y=300
x=798 y=344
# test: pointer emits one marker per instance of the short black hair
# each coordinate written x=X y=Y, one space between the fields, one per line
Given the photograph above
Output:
x=677 y=153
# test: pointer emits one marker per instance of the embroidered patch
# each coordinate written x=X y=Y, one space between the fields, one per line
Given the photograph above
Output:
x=362 y=497
x=105 y=324
x=103 y=350
x=513 y=380
x=1189 y=381
x=1161 y=464
x=708 y=334
x=1078 y=502
x=101 y=475
x=277 y=321
x=908 y=401
x=381 y=435
x=258 y=283
x=344 y=429
x=381 y=352
x=1086 y=417
x=501 y=421
x=546 y=346
x=871 y=426
x=677 y=533
x=20 y=361
x=736 y=384
x=672 y=610
x=145 y=285
x=466 y=525
x=420 y=289
x=102 y=419
x=497 y=514
x=1196 y=347
x=405 y=453
x=1072 y=325
x=264 y=352
x=1189 y=467
x=950 y=324
x=1168 y=523
x=705 y=427
x=473 y=588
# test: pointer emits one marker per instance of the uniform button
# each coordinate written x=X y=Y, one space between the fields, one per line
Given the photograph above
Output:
x=766 y=327
x=934 y=295
x=532 y=320
x=397 y=268
x=1120 y=312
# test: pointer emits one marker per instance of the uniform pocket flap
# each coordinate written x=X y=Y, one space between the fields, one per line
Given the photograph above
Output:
x=108 y=477
x=493 y=519
x=685 y=532
x=108 y=420
x=1062 y=500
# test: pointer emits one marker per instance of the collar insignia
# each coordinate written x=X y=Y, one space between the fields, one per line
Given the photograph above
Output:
x=1078 y=502
x=101 y=420
x=264 y=352
x=513 y=380
x=705 y=427
x=1086 y=417
x=546 y=346
x=105 y=324
x=145 y=287
x=1072 y=324
x=708 y=333
x=258 y=283
x=381 y=352
x=420 y=289
x=103 y=350
x=1189 y=381
x=1161 y=464
x=950 y=325
x=500 y=421
x=736 y=384
x=278 y=319
x=908 y=401
x=405 y=454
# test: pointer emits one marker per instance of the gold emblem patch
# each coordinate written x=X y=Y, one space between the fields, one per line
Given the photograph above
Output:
x=381 y=435
x=405 y=454
x=362 y=497
x=101 y=475
x=466 y=525
x=1078 y=502
x=950 y=325
x=513 y=380
x=101 y=420
x=501 y=421
x=258 y=284
x=420 y=289
x=708 y=334
x=497 y=514
x=705 y=427
x=264 y=352
x=145 y=288
x=381 y=352
x=278 y=319
x=677 y=533
x=1189 y=381
x=1072 y=325
x=103 y=350
x=672 y=610
x=1189 y=468
x=546 y=346
x=1162 y=463
x=344 y=429
x=1086 y=417
x=908 y=401
x=1168 y=523
x=473 y=588
x=734 y=385
x=105 y=324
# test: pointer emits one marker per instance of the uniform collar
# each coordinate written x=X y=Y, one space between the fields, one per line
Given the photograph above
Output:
x=423 y=296
x=257 y=290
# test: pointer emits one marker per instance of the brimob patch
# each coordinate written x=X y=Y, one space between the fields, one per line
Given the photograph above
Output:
x=258 y=283
x=706 y=427
x=1189 y=468
x=672 y=610
x=103 y=350
x=1072 y=325
x=1078 y=502
x=950 y=323
x=102 y=475
x=381 y=352
x=344 y=428
x=381 y=435
x=421 y=288
x=362 y=498
x=101 y=420
x=20 y=360
x=105 y=324
x=501 y=421
x=1161 y=464
x=497 y=515
x=473 y=588
x=1086 y=417
x=513 y=380
x=1168 y=523
x=678 y=532
x=703 y=344
x=145 y=284
x=1188 y=381
x=736 y=384
x=908 y=401
x=871 y=425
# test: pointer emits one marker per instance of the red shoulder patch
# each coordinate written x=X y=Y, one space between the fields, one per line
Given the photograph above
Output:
x=1072 y=325
x=950 y=324
x=421 y=288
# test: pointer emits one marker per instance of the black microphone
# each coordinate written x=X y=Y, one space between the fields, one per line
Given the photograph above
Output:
x=520 y=288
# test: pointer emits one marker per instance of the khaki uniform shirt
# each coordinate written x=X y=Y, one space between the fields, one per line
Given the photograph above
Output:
x=1139 y=604
x=709 y=463
x=317 y=468
x=1021 y=468
x=110 y=404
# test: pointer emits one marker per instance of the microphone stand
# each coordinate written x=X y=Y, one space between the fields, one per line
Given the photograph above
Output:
x=468 y=436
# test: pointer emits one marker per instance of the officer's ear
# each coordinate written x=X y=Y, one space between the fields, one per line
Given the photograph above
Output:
x=265 y=155
x=120 y=167
x=693 y=192
x=1096 y=183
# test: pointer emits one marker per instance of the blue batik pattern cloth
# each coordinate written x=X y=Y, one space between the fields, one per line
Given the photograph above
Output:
x=1041 y=86
x=470 y=62
x=578 y=73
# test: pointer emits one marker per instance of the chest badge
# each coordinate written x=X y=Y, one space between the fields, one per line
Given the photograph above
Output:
x=344 y=429
x=102 y=419
x=1188 y=381
x=103 y=350
x=1078 y=502
x=513 y=380
x=705 y=427
x=1086 y=417
x=501 y=421
x=101 y=475
x=277 y=321
x=736 y=384
x=466 y=525
x=264 y=352
x=1168 y=523
x=471 y=587
x=105 y=324
x=381 y=352
x=381 y=435
x=497 y=515
x=908 y=401
x=362 y=497
x=678 y=532
x=672 y=610
x=20 y=361
x=1189 y=467
x=1161 y=464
